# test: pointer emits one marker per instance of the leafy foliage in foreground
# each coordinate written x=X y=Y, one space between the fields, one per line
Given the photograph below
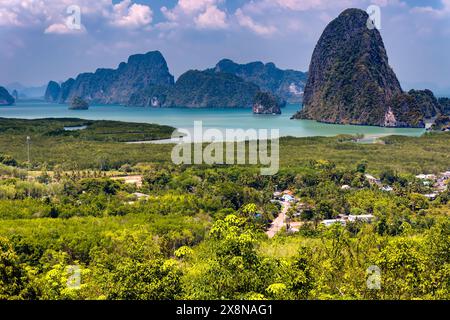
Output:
x=200 y=235
x=198 y=232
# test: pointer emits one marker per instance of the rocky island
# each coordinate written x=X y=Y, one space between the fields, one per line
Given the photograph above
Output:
x=78 y=103
x=114 y=86
x=5 y=98
x=145 y=81
x=52 y=93
x=266 y=103
x=350 y=80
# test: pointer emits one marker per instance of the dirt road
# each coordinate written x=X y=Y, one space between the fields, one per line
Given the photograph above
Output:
x=280 y=222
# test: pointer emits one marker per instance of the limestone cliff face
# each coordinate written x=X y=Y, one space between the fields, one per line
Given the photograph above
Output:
x=115 y=86
x=286 y=84
x=350 y=80
x=145 y=81
x=52 y=92
x=5 y=98
x=197 y=89
x=411 y=109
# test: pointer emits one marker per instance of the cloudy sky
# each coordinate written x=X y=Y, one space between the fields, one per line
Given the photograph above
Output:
x=37 y=45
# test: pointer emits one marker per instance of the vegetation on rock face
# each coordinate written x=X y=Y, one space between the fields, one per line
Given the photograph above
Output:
x=154 y=96
x=266 y=103
x=286 y=84
x=5 y=98
x=427 y=102
x=78 y=103
x=407 y=111
x=115 y=86
x=199 y=89
x=196 y=89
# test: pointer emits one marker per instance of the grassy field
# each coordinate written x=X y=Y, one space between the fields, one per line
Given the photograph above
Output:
x=101 y=146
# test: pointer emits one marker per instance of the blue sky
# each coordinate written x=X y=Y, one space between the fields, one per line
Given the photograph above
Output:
x=37 y=46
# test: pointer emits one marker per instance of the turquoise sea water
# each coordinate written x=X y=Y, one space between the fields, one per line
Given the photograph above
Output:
x=212 y=118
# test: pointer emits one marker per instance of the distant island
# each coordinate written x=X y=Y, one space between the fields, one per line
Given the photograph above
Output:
x=350 y=80
x=5 y=98
x=286 y=84
x=145 y=81
x=78 y=103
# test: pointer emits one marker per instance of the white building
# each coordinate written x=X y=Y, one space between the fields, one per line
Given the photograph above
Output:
x=288 y=198
x=362 y=217
x=330 y=222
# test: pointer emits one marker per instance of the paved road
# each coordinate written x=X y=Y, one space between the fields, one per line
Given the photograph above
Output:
x=280 y=222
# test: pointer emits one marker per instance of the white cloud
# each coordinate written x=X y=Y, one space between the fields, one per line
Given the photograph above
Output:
x=212 y=18
x=262 y=6
x=193 y=6
x=248 y=22
x=300 y=5
x=203 y=14
x=130 y=15
x=51 y=15
x=439 y=13
x=8 y=18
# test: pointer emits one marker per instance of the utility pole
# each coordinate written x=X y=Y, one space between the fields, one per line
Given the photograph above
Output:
x=28 y=149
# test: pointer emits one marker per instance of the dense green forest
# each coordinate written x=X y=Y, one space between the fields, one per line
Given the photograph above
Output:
x=199 y=232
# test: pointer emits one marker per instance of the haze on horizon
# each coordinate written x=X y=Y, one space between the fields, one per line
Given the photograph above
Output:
x=196 y=34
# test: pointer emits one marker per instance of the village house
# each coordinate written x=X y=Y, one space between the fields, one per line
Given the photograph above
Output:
x=343 y=219
x=141 y=195
x=438 y=182
x=288 y=198
x=431 y=177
